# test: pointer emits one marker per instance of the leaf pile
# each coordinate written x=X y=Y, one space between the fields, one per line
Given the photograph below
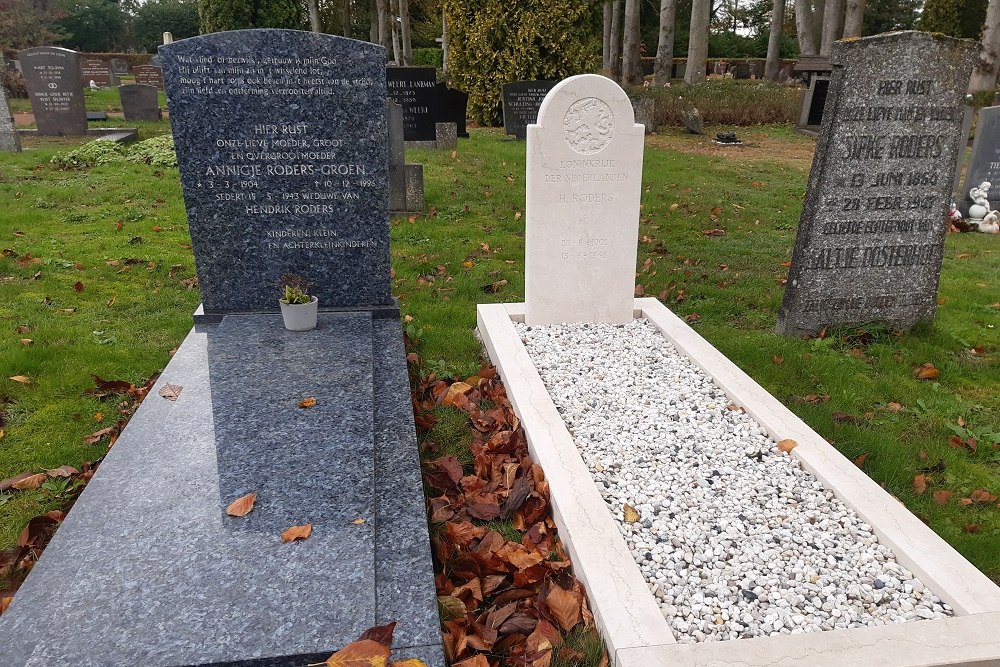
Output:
x=502 y=601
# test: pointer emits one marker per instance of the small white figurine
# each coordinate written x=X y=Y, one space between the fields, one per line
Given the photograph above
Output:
x=980 y=199
x=990 y=223
x=93 y=85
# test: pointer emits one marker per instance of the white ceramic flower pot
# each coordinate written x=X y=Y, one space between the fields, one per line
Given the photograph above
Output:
x=300 y=316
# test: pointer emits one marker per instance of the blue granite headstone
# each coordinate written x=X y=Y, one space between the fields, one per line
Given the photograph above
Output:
x=281 y=142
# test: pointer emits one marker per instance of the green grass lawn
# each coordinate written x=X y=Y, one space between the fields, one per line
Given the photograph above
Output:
x=119 y=232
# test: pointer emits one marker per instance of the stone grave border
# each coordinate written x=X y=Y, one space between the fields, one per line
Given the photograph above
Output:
x=627 y=615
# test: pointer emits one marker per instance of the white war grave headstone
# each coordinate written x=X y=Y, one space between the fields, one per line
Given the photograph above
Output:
x=584 y=180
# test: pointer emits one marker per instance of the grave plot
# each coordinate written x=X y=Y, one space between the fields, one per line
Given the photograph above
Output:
x=708 y=523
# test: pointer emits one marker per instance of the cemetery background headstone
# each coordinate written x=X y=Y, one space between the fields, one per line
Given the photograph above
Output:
x=55 y=86
x=583 y=184
x=99 y=72
x=871 y=237
x=10 y=142
x=415 y=90
x=453 y=107
x=140 y=102
x=150 y=75
x=406 y=181
x=521 y=102
x=984 y=163
x=261 y=118
x=119 y=67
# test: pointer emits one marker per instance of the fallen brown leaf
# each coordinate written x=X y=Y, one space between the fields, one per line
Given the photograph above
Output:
x=242 y=505
x=971 y=528
x=565 y=606
x=23 y=379
x=308 y=402
x=297 y=533
x=630 y=514
x=860 y=461
x=787 y=445
x=360 y=653
x=62 y=471
x=927 y=372
x=171 y=392
x=919 y=484
x=32 y=482
x=941 y=497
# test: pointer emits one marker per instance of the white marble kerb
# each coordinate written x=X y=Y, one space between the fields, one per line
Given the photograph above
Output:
x=584 y=180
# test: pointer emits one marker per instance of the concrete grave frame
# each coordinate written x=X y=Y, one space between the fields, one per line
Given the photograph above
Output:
x=627 y=615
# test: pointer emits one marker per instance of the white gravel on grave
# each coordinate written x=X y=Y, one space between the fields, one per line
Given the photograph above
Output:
x=735 y=538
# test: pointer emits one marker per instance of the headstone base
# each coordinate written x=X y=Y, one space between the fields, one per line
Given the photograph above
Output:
x=122 y=135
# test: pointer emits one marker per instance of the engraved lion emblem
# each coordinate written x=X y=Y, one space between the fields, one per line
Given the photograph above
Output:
x=588 y=125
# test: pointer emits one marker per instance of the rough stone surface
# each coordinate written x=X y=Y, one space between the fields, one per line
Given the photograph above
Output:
x=583 y=183
x=871 y=236
x=99 y=72
x=414 y=89
x=151 y=571
x=140 y=102
x=414 y=174
x=10 y=142
x=283 y=171
x=406 y=181
x=149 y=75
x=52 y=76
x=521 y=102
x=984 y=164
x=645 y=113
x=447 y=136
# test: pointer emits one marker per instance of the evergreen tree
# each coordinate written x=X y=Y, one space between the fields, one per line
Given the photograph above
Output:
x=219 y=15
x=493 y=42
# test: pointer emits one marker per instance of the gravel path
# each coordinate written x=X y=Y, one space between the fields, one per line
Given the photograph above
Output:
x=734 y=538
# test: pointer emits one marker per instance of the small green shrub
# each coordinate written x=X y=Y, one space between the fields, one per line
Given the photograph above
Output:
x=158 y=151
x=725 y=102
x=90 y=154
x=428 y=57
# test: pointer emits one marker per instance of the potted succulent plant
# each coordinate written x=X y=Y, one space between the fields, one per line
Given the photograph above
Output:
x=298 y=308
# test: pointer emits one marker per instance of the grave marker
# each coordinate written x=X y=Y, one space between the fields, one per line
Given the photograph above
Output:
x=99 y=72
x=52 y=76
x=984 y=164
x=10 y=142
x=583 y=182
x=150 y=75
x=871 y=237
x=414 y=89
x=521 y=102
x=140 y=102
x=453 y=107
x=283 y=165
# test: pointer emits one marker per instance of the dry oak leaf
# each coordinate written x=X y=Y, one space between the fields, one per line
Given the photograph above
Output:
x=630 y=514
x=927 y=372
x=170 y=391
x=242 y=505
x=298 y=533
x=23 y=379
x=787 y=445
x=308 y=402
x=32 y=482
x=361 y=653
x=565 y=606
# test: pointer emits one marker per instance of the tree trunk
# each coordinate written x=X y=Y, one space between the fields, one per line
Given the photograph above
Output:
x=984 y=74
x=663 y=66
x=772 y=68
x=444 y=42
x=404 y=31
x=833 y=25
x=631 y=57
x=855 y=18
x=806 y=21
x=697 y=58
x=606 y=42
x=616 y=41
x=313 y=15
x=394 y=31
x=372 y=22
x=345 y=18
x=382 y=10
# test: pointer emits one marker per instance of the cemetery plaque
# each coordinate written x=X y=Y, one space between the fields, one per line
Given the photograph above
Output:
x=150 y=75
x=414 y=89
x=10 y=142
x=871 y=236
x=984 y=165
x=453 y=107
x=52 y=76
x=140 y=102
x=521 y=101
x=119 y=66
x=281 y=142
x=99 y=72
x=583 y=182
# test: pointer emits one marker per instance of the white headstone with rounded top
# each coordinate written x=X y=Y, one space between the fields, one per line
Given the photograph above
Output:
x=584 y=180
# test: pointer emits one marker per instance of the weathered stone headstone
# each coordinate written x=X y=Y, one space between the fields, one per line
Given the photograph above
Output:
x=583 y=183
x=99 y=72
x=52 y=76
x=521 y=102
x=10 y=142
x=283 y=164
x=984 y=164
x=415 y=89
x=140 y=102
x=119 y=67
x=871 y=237
x=453 y=107
x=406 y=181
x=150 y=75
